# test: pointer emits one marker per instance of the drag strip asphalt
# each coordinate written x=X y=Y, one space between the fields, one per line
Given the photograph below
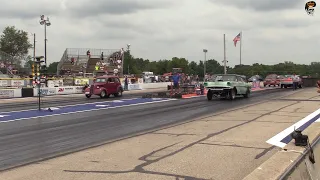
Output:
x=30 y=140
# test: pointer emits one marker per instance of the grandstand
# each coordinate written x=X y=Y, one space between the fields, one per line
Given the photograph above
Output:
x=76 y=61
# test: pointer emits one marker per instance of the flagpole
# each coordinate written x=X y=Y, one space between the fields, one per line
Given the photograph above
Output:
x=224 y=49
x=240 y=46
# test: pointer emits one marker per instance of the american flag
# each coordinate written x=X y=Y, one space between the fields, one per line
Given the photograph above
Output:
x=236 y=39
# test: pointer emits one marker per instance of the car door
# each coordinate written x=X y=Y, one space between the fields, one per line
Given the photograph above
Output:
x=117 y=83
x=110 y=85
x=238 y=85
x=242 y=85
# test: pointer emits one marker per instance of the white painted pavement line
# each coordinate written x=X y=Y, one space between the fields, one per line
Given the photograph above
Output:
x=276 y=140
x=52 y=108
x=88 y=110
x=101 y=105
x=99 y=102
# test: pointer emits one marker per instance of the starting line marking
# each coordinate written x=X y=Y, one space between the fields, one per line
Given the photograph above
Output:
x=283 y=138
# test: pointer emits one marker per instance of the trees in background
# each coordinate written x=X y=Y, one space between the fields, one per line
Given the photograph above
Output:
x=15 y=43
x=138 y=65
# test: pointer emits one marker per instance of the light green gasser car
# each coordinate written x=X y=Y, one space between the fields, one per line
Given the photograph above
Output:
x=227 y=86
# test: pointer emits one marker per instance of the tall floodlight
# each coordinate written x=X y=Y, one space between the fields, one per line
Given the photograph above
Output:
x=45 y=22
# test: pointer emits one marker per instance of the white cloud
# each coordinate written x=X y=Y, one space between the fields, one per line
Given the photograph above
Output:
x=159 y=29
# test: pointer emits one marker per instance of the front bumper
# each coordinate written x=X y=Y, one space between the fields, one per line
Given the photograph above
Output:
x=214 y=89
x=94 y=91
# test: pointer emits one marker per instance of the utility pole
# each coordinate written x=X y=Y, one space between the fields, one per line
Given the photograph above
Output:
x=34 y=47
x=225 y=58
x=34 y=58
x=128 y=50
x=205 y=64
x=241 y=48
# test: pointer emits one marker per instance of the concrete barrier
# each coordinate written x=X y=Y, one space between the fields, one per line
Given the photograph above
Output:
x=292 y=162
x=154 y=85
x=304 y=168
x=52 y=90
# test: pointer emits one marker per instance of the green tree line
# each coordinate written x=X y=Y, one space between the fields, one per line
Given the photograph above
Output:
x=134 y=65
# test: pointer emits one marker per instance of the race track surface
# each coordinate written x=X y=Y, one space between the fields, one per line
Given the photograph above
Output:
x=29 y=140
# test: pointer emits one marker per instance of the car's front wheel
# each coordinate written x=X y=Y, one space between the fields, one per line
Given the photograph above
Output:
x=103 y=94
x=119 y=93
x=232 y=94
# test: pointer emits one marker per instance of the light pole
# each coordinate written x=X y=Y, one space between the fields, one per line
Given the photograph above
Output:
x=128 y=50
x=204 y=63
x=45 y=23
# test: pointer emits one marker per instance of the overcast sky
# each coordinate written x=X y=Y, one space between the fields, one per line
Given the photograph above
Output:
x=273 y=31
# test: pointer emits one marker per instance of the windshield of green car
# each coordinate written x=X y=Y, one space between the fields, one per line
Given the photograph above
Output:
x=223 y=78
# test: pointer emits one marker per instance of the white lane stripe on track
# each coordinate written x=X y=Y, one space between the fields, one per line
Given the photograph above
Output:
x=276 y=140
x=89 y=110
x=98 y=102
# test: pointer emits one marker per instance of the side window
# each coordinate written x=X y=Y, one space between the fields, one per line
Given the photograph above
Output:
x=240 y=79
x=110 y=80
x=116 y=80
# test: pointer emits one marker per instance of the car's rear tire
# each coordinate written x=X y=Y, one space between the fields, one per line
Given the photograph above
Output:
x=209 y=95
x=300 y=86
x=119 y=93
x=247 y=94
x=88 y=96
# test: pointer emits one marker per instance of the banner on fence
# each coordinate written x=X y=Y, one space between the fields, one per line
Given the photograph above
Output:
x=81 y=81
x=44 y=91
x=78 y=89
x=6 y=93
x=17 y=83
x=3 y=83
x=134 y=86
x=65 y=90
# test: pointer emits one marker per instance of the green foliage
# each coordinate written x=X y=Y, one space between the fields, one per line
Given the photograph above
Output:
x=52 y=68
x=15 y=43
x=138 y=65
x=29 y=62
